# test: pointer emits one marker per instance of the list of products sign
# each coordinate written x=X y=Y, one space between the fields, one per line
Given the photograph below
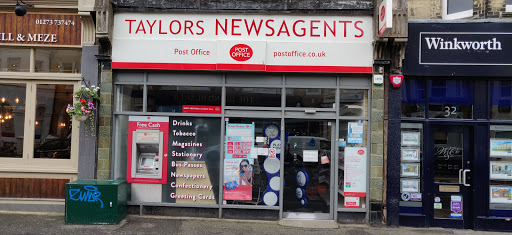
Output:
x=190 y=179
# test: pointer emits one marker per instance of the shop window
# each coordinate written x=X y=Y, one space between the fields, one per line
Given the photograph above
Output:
x=254 y=97
x=352 y=134
x=413 y=98
x=249 y=170
x=457 y=9
x=353 y=102
x=500 y=171
x=184 y=99
x=129 y=98
x=58 y=60
x=310 y=98
x=53 y=127
x=14 y=59
x=450 y=99
x=411 y=159
x=501 y=100
x=201 y=160
x=12 y=119
x=120 y=150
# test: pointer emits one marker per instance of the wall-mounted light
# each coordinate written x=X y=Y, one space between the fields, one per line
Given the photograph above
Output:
x=17 y=100
x=20 y=10
x=62 y=124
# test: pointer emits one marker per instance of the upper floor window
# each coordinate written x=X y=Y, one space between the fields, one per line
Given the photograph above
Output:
x=457 y=9
x=46 y=60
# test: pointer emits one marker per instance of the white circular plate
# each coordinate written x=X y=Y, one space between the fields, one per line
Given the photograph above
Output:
x=298 y=193
x=272 y=165
x=301 y=179
x=270 y=198
x=275 y=183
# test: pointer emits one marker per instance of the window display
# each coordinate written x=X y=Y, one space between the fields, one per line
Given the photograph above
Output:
x=193 y=165
x=251 y=162
x=500 y=169
x=410 y=164
x=349 y=152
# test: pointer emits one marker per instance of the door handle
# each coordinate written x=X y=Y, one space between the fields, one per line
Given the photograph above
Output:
x=464 y=177
x=460 y=176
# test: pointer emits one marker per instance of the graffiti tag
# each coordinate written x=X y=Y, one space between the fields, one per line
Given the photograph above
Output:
x=91 y=194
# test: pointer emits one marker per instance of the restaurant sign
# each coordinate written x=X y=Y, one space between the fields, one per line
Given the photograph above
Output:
x=45 y=29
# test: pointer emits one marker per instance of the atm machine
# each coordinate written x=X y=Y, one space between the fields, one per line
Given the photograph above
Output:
x=147 y=154
x=147 y=157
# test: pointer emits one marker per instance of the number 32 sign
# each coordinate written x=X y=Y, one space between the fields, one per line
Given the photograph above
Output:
x=450 y=110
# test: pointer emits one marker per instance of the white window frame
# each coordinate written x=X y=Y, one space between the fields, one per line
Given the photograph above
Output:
x=27 y=163
x=454 y=16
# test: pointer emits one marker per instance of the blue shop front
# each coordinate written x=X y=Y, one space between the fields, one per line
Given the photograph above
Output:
x=450 y=128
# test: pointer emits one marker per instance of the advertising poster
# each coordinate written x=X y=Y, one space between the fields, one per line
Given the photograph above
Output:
x=501 y=170
x=410 y=138
x=501 y=147
x=351 y=202
x=456 y=206
x=194 y=155
x=239 y=140
x=147 y=149
x=355 y=172
x=238 y=179
x=501 y=194
x=355 y=133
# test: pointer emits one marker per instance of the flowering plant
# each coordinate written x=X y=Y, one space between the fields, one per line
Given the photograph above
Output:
x=83 y=109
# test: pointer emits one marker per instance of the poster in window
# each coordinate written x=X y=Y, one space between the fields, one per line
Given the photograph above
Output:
x=355 y=133
x=238 y=179
x=410 y=138
x=501 y=194
x=410 y=185
x=355 y=172
x=410 y=170
x=239 y=140
x=501 y=147
x=411 y=154
x=500 y=170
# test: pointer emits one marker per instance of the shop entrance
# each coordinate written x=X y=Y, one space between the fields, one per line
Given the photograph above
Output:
x=448 y=172
x=307 y=169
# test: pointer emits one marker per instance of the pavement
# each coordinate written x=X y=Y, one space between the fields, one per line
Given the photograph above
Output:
x=44 y=223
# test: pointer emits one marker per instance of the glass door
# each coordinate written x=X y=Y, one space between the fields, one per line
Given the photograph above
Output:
x=451 y=176
x=307 y=169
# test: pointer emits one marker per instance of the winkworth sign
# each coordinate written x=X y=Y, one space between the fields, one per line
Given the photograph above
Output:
x=459 y=49
x=466 y=48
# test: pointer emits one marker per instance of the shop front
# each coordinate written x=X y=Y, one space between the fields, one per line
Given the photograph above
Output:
x=243 y=116
x=40 y=68
x=455 y=127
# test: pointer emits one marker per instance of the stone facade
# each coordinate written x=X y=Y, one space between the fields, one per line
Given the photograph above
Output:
x=105 y=126
x=376 y=154
x=433 y=9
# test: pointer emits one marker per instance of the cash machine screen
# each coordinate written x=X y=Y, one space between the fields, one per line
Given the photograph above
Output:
x=147 y=162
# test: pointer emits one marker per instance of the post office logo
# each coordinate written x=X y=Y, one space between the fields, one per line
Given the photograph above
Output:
x=241 y=52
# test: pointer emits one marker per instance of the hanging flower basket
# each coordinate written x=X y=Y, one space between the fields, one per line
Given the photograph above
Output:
x=83 y=109
x=82 y=118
